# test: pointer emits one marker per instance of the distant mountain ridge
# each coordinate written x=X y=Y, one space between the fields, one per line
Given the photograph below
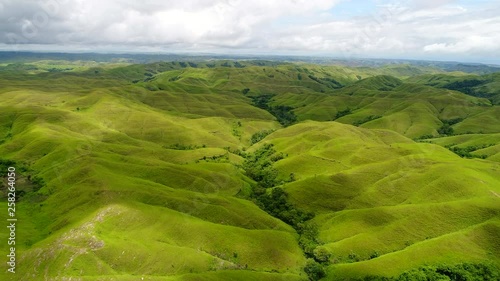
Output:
x=449 y=66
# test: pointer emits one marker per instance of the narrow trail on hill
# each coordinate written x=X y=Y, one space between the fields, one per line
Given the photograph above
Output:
x=330 y=160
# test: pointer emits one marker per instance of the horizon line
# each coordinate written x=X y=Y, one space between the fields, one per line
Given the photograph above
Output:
x=242 y=55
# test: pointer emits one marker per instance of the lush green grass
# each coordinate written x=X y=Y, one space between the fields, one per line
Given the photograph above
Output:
x=135 y=238
x=377 y=194
x=143 y=178
x=479 y=144
x=485 y=86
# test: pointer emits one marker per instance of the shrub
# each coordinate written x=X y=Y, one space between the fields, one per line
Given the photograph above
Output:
x=374 y=255
x=445 y=130
x=343 y=113
x=353 y=257
x=314 y=270
x=457 y=272
x=366 y=119
x=260 y=136
x=321 y=254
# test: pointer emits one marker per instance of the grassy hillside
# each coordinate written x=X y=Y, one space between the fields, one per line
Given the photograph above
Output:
x=381 y=198
x=485 y=86
x=119 y=160
x=131 y=171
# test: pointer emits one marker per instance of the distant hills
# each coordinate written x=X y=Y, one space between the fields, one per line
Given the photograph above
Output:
x=23 y=56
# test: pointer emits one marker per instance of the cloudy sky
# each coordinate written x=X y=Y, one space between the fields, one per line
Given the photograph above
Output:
x=459 y=30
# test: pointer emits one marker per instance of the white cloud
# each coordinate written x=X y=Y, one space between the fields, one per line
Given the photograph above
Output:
x=466 y=45
x=431 y=14
x=414 y=29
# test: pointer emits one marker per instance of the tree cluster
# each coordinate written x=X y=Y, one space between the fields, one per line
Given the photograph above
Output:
x=457 y=272
x=260 y=136
x=259 y=167
x=329 y=82
x=465 y=152
x=342 y=113
x=283 y=113
x=446 y=128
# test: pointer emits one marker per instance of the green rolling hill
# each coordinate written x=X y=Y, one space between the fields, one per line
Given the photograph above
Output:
x=248 y=170
x=378 y=193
